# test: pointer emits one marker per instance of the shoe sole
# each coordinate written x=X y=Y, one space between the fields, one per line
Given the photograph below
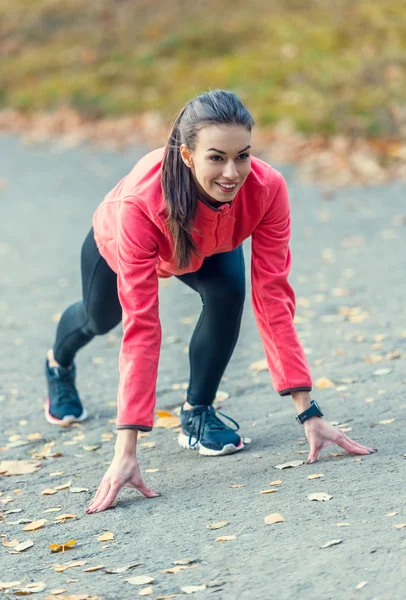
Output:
x=67 y=420
x=183 y=441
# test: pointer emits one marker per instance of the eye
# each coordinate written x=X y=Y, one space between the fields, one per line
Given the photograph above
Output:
x=244 y=156
x=215 y=157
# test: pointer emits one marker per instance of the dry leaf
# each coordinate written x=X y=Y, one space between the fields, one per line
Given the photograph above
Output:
x=191 y=589
x=50 y=510
x=319 y=497
x=151 y=470
x=323 y=382
x=140 y=580
x=382 y=371
x=57 y=591
x=62 y=547
x=273 y=518
x=259 y=365
x=30 y=588
x=178 y=569
x=23 y=546
x=268 y=491
x=4 y=585
x=217 y=525
x=11 y=544
x=56 y=474
x=343 y=524
x=77 y=490
x=167 y=422
x=90 y=448
x=147 y=591
x=331 y=543
x=35 y=525
x=18 y=467
x=48 y=492
x=237 y=485
x=65 y=517
x=91 y=569
x=276 y=482
x=400 y=525
x=106 y=537
x=226 y=538
x=361 y=585
x=122 y=569
x=387 y=421
x=164 y=414
x=69 y=565
x=291 y=464
x=391 y=514
x=63 y=486
x=184 y=561
x=315 y=476
x=148 y=444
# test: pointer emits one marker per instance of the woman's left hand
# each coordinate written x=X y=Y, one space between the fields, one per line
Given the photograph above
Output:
x=321 y=434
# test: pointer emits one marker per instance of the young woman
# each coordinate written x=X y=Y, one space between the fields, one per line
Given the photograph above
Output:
x=185 y=210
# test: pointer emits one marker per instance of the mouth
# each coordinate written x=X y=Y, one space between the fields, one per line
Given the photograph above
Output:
x=226 y=187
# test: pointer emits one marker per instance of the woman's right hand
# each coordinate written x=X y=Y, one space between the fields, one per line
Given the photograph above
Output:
x=124 y=471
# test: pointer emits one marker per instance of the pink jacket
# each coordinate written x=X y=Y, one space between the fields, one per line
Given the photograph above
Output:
x=130 y=232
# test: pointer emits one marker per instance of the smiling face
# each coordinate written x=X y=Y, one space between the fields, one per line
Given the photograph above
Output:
x=220 y=162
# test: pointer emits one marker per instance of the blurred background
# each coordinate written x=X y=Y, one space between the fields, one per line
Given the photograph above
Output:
x=317 y=70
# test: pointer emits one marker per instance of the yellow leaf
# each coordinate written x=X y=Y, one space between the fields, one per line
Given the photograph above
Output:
x=91 y=569
x=273 y=518
x=191 y=589
x=226 y=538
x=331 y=543
x=391 y=514
x=11 y=544
x=276 y=482
x=56 y=474
x=167 y=422
x=237 y=485
x=184 y=561
x=147 y=591
x=35 y=525
x=18 y=467
x=65 y=517
x=56 y=509
x=315 y=476
x=48 y=492
x=259 y=365
x=62 y=547
x=151 y=470
x=30 y=588
x=34 y=436
x=289 y=465
x=57 y=591
x=106 y=537
x=268 y=491
x=148 y=444
x=323 y=382
x=4 y=585
x=343 y=524
x=140 y=580
x=217 y=525
x=63 y=486
x=77 y=490
x=69 y=565
x=400 y=525
x=164 y=414
x=387 y=421
x=177 y=569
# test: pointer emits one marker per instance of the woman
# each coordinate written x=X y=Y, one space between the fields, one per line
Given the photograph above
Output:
x=185 y=210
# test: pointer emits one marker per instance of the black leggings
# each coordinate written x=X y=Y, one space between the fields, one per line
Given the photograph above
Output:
x=220 y=281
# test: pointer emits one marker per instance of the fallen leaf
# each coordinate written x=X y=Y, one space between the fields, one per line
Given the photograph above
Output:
x=288 y=465
x=77 y=490
x=164 y=414
x=48 y=492
x=34 y=436
x=63 y=486
x=391 y=514
x=323 y=382
x=191 y=589
x=331 y=543
x=65 y=517
x=268 y=491
x=91 y=569
x=70 y=565
x=122 y=569
x=343 y=524
x=90 y=448
x=147 y=591
x=35 y=525
x=50 y=510
x=56 y=474
x=237 y=485
x=387 y=421
x=148 y=444
x=10 y=544
x=151 y=470
x=382 y=371
x=62 y=547
x=217 y=525
x=140 y=580
x=319 y=497
x=316 y=476
x=259 y=365
x=361 y=585
x=276 y=482
x=30 y=588
x=178 y=569
x=184 y=561
x=5 y=585
x=18 y=467
x=23 y=546
x=226 y=538
x=273 y=518
x=57 y=591
x=400 y=525
x=106 y=537
x=167 y=422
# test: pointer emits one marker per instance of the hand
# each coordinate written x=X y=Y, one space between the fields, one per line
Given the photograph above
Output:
x=123 y=472
x=321 y=434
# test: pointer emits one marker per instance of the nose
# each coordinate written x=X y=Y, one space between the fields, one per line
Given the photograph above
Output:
x=230 y=170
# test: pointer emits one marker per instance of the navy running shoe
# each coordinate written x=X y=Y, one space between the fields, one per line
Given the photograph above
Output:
x=202 y=430
x=63 y=405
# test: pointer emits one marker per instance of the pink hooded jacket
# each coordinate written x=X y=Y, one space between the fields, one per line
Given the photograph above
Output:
x=130 y=232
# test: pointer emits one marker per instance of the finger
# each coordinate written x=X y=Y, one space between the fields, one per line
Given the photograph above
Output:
x=109 y=498
x=104 y=492
x=143 y=488
x=353 y=447
x=313 y=454
x=97 y=496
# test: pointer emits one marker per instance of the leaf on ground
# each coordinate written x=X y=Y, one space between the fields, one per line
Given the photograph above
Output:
x=237 y=485
x=276 y=482
x=106 y=537
x=5 y=585
x=23 y=546
x=268 y=491
x=65 y=517
x=140 y=580
x=217 y=525
x=62 y=547
x=57 y=591
x=400 y=525
x=361 y=585
x=391 y=514
x=148 y=444
x=331 y=543
x=315 y=476
x=343 y=524
x=147 y=591
x=290 y=465
x=10 y=544
x=274 y=518
x=70 y=565
x=18 y=467
x=122 y=569
x=259 y=365
x=30 y=588
x=32 y=437
x=63 y=486
x=319 y=497
x=191 y=589
x=91 y=569
x=167 y=422
x=77 y=490
x=56 y=474
x=226 y=538
x=164 y=414
x=324 y=382
x=382 y=371
x=184 y=561
x=221 y=396
x=178 y=569
x=55 y=509
x=91 y=448
x=35 y=525
x=151 y=470
x=387 y=421
x=49 y=492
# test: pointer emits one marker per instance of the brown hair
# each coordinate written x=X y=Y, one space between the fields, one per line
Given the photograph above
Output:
x=218 y=107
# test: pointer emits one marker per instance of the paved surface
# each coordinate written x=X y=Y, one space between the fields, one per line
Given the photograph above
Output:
x=352 y=243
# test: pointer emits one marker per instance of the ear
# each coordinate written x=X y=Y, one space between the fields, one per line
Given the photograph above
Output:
x=186 y=156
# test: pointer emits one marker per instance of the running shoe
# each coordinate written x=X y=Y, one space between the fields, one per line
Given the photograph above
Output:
x=202 y=430
x=63 y=405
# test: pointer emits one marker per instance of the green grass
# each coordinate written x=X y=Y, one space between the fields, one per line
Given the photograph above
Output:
x=329 y=65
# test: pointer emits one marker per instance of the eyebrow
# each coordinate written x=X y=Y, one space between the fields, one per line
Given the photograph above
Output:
x=221 y=151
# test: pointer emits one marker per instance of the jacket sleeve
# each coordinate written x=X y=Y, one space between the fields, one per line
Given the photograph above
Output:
x=137 y=282
x=273 y=298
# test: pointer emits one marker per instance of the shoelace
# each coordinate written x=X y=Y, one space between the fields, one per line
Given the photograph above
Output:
x=208 y=415
x=65 y=389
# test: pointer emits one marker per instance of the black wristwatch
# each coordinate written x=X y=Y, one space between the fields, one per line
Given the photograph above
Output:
x=312 y=411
